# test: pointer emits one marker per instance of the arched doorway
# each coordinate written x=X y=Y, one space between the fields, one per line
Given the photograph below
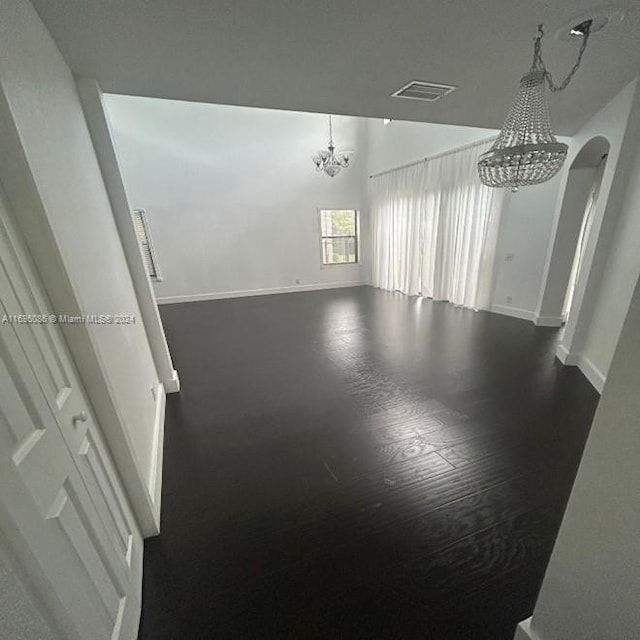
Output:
x=574 y=224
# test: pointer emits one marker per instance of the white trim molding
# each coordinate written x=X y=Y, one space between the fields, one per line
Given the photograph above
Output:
x=526 y=314
x=514 y=312
x=172 y=385
x=524 y=631
x=563 y=354
x=261 y=292
x=548 y=321
x=155 y=474
x=590 y=371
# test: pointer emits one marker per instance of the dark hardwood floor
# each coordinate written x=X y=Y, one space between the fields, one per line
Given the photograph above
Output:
x=356 y=464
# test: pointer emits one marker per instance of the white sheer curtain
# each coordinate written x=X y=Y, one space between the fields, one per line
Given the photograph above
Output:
x=435 y=229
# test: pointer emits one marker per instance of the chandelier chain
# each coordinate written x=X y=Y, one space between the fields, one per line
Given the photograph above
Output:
x=538 y=62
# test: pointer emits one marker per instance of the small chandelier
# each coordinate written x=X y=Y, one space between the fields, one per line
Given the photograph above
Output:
x=526 y=151
x=329 y=161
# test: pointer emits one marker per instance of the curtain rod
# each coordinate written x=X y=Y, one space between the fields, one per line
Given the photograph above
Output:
x=434 y=157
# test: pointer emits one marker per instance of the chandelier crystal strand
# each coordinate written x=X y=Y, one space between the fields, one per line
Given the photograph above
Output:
x=526 y=152
x=329 y=161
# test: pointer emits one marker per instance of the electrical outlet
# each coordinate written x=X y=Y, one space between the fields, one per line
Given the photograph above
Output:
x=509 y=299
x=509 y=257
x=297 y=281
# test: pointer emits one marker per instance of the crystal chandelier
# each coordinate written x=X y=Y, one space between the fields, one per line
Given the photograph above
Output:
x=526 y=151
x=329 y=161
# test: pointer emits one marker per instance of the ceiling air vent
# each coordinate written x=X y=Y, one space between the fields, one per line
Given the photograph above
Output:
x=429 y=91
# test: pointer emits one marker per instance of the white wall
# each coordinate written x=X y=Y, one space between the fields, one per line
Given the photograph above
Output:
x=525 y=233
x=622 y=265
x=49 y=169
x=398 y=143
x=591 y=588
x=92 y=99
x=611 y=123
x=231 y=193
x=574 y=203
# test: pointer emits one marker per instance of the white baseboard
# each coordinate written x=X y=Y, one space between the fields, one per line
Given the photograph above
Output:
x=590 y=371
x=548 y=321
x=260 y=292
x=524 y=631
x=514 y=312
x=173 y=384
x=562 y=353
x=525 y=314
x=155 y=474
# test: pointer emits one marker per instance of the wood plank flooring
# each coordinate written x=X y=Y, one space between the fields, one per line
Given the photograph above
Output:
x=358 y=465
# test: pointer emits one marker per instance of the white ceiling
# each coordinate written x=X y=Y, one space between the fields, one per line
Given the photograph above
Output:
x=343 y=56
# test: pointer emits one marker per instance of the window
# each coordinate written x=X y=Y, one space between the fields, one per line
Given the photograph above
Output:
x=146 y=246
x=339 y=236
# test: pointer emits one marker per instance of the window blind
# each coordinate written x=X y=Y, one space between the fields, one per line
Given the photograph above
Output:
x=142 y=232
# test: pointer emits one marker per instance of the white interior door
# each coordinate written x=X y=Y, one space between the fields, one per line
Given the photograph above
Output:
x=62 y=508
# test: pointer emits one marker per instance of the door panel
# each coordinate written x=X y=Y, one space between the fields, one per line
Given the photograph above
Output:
x=58 y=484
x=71 y=515
x=42 y=492
x=21 y=295
x=41 y=340
x=100 y=484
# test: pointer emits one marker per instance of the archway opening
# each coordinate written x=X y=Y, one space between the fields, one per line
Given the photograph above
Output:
x=585 y=178
x=579 y=203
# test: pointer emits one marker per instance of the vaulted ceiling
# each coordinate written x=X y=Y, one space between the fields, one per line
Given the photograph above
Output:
x=343 y=56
